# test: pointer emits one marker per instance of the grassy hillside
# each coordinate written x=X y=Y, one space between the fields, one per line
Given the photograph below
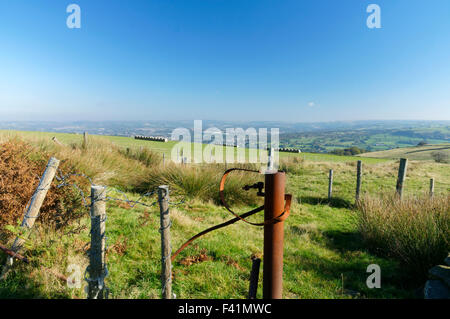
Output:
x=326 y=255
x=413 y=153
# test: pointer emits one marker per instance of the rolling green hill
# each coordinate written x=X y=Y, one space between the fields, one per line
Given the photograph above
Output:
x=425 y=152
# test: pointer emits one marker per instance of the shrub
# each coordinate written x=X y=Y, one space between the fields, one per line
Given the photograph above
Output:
x=440 y=157
x=415 y=230
x=291 y=165
x=348 y=151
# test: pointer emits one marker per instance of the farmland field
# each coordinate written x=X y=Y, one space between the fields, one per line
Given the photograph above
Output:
x=325 y=255
x=425 y=152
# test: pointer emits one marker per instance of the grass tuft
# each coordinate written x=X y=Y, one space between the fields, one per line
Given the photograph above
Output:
x=414 y=230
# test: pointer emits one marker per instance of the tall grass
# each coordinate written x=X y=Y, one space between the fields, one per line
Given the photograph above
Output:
x=415 y=230
x=101 y=160
x=202 y=182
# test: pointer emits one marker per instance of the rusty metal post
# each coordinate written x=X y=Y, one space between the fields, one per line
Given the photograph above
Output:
x=273 y=236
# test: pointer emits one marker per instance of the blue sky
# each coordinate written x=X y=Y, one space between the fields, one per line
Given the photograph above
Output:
x=293 y=60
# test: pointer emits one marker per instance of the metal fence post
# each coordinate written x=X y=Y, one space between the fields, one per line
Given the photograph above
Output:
x=330 y=184
x=254 y=278
x=97 y=266
x=401 y=176
x=273 y=236
x=166 y=249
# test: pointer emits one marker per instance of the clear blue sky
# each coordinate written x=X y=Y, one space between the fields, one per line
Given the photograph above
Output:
x=293 y=60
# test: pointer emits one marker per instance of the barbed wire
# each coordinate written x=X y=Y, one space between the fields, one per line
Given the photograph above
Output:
x=65 y=180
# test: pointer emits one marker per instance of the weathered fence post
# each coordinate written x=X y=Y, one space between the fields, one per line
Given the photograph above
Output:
x=97 y=265
x=273 y=236
x=330 y=184
x=54 y=139
x=32 y=212
x=164 y=160
x=431 y=187
x=358 y=180
x=254 y=278
x=85 y=139
x=401 y=176
x=166 y=249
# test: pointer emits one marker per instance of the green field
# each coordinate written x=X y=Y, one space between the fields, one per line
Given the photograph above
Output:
x=413 y=153
x=370 y=139
x=324 y=257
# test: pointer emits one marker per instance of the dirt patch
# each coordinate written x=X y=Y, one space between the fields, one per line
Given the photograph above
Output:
x=231 y=262
x=187 y=261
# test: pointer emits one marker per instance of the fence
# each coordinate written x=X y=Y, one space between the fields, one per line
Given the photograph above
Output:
x=400 y=185
x=97 y=270
x=276 y=211
x=276 y=207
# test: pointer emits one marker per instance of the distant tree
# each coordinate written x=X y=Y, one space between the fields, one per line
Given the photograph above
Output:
x=440 y=157
x=348 y=151
x=423 y=143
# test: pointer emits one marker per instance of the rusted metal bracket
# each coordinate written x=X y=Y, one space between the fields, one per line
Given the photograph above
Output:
x=259 y=186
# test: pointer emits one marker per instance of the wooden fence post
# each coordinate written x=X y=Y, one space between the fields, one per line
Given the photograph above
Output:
x=401 y=176
x=166 y=249
x=164 y=160
x=54 y=139
x=85 y=139
x=431 y=187
x=32 y=212
x=254 y=277
x=358 y=180
x=330 y=184
x=97 y=265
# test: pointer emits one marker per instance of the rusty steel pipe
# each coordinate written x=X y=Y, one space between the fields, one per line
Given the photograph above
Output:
x=13 y=254
x=273 y=236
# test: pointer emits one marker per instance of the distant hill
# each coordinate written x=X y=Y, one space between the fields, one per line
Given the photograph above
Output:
x=414 y=153
x=323 y=137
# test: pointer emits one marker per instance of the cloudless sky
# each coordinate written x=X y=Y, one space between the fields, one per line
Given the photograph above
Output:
x=297 y=60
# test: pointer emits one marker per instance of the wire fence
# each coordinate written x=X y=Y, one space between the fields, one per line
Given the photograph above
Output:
x=116 y=195
x=111 y=194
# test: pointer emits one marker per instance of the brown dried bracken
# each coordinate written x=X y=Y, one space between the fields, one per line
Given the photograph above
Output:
x=187 y=261
x=21 y=165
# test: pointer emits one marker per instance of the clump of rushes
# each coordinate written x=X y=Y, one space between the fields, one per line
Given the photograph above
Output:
x=291 y=165
x=202 y=182
x=144 y=155
x=414 y=230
